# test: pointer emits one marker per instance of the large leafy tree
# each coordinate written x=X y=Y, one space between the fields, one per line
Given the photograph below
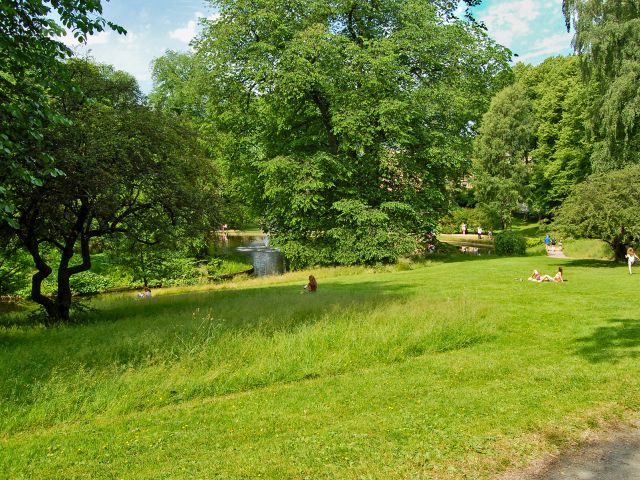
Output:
x=605 y=207
x=342 y=116
x=534 y=144
x=127 y=169
x=503 y=154
x=607 y=39
x=563 y=145
x=182 y=87
x=30 y=73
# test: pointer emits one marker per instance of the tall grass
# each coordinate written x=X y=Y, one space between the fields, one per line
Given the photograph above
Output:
x=177 y=349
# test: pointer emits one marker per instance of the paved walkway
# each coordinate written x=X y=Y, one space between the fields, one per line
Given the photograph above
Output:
x=556 y=252
x=612 y=456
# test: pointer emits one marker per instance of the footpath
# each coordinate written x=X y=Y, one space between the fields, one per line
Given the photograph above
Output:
x=556 y=252
x=611 y=456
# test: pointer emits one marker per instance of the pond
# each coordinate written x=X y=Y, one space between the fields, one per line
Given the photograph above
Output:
x=11 y=306
x=266 y=260
x=468 y=248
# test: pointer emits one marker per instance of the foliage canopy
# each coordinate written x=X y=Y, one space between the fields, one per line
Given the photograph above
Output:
x=335 y=116
x=605 y=207
x=534 y=143
x=30 y=73
x=127 y=169
x=607 y=39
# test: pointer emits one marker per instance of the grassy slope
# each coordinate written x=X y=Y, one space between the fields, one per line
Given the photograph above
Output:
x=453 y=370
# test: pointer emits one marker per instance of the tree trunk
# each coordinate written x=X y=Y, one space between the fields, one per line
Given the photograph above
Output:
x=618 y=246
x=63 y=297
x=143 y=267
x=325 y=113
x=58 y=309
x=619 y=249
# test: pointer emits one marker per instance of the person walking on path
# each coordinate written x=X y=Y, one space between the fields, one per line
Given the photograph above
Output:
x=631 y=258
x=547 y=242
x=479 y=232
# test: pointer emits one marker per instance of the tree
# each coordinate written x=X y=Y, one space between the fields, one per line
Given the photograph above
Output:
x=563 y=147
x=181 y=88
x=503 y=154
x=543 y=117
x=30 y=73
x=126 y=169
x=607 y=39
x=605 y=207
x=340 y=113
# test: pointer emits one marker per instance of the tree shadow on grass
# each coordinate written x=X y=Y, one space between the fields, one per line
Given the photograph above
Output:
x=588 y=263
x=129 y=332
x=612 y=343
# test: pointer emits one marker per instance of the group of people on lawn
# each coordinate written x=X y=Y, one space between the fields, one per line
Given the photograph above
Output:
x=536 y=276
x=550 y=244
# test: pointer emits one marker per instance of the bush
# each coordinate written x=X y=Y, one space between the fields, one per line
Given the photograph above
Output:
x=89 y=282
x=510 y=243
x=15 y=269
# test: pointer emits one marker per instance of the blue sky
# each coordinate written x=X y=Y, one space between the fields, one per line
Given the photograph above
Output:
x=533 y=29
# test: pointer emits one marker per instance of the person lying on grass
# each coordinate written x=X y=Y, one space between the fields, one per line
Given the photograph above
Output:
x=557 y=278
x=535 y=276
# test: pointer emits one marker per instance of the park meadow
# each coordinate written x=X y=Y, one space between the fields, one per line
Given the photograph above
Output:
x=174 y=173
x=454 y=367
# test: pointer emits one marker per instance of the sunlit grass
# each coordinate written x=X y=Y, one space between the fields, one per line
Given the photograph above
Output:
x=452 y=368
x=585 y=248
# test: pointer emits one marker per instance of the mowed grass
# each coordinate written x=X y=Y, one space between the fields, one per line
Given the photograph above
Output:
x=452 y=369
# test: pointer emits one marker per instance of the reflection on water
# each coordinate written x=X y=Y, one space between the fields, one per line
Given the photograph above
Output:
x=471 y=248
x=265 y=259
x=9 y=306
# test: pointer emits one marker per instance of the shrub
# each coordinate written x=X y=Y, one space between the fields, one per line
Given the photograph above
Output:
x=89 y=282
x=15 y=267
x=510 y=243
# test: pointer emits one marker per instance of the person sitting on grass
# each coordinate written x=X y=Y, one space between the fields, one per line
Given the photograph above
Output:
x=312 y=286
x=145 y=294
x=631 y=258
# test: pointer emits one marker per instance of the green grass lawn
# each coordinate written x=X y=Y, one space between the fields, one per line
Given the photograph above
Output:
x=451 y=369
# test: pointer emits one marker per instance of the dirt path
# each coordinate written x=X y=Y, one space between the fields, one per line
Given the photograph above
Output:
x=556 y=252
x=611 y=456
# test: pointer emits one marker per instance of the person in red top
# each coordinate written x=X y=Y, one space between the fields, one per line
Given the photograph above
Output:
x=312 y=286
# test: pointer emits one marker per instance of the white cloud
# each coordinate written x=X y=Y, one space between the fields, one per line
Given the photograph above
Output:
x=132 y=52
x=100 y=38
x=553 y=45
x=129 y=39
x=509 y=20
x=187 y=33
